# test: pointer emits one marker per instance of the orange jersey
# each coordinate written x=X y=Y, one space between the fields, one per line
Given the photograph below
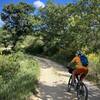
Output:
x=80 y=69
x=77 y=61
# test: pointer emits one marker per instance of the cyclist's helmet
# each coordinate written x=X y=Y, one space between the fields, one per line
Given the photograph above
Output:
x=78 y=53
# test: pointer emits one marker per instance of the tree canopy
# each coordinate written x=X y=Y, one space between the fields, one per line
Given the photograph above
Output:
x=61 y=27
x=17 y=20
x=72 y=26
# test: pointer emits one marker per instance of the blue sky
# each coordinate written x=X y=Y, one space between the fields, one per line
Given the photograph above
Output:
x=3 y=2
x=1 y=23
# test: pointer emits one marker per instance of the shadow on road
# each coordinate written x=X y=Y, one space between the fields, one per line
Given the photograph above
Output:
x=94 y=92
x=58 y=92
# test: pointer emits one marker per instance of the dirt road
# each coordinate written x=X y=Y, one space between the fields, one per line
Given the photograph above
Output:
x=53 y=83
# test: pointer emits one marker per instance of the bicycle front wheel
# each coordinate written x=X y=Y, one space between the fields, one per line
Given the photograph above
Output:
x=82 y=92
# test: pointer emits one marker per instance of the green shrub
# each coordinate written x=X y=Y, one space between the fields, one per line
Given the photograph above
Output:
x=8 y=67
x=35 y=48
x=61 y=59
x=94 y=68
x=18 y=76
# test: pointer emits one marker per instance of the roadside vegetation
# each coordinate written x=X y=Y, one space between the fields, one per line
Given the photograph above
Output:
x=56 y=32
x=19 y=75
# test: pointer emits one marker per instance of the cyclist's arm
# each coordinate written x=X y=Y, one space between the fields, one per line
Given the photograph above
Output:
x=72 y=63
x=73 y=60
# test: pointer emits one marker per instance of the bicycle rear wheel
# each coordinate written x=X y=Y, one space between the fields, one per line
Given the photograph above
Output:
x=82 y=92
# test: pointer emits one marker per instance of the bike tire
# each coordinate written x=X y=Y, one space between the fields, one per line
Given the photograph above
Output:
x=84 y=89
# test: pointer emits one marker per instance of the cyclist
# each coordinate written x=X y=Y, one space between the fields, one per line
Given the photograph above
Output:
x=79 y=68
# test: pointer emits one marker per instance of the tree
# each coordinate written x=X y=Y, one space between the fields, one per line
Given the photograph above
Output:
x=57 y=34
x=72 y=26
x=89 y=24
x=17 y=20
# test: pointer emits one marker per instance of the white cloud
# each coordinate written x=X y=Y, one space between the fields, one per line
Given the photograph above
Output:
x=38 y=4
x=1 y=23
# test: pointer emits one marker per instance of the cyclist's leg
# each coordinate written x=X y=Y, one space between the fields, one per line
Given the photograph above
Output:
x=82 y=71
x=84 y=74
x=79 y=71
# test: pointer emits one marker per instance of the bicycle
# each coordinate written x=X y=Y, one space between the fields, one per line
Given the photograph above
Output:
x=79 y=86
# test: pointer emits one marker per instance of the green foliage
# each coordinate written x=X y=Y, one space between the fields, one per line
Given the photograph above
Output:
x=56 y=35
x=34 y=47
x=18 y=76
x=17 y=20
x=8 y=67
x=5 y=38
x=72 y=27
x=69 y=27
x=94 y=68
x=89 y=10
x=60 y=58
x=1 y=30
